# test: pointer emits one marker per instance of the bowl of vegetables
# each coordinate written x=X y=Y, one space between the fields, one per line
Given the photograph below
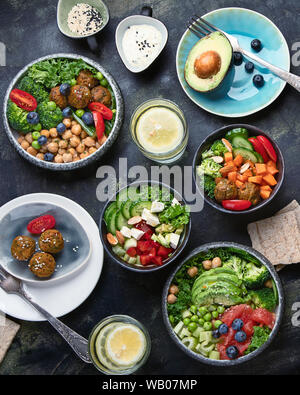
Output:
x=63 y=111
x=238 y=169
x=223 y=304
x=145 y=226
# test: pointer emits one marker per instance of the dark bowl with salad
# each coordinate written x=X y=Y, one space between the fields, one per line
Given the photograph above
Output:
x=63 y=111
x=145 y=226
x=238 y=169
x=223 y=304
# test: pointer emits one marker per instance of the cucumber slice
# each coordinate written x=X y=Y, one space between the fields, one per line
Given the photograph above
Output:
x=120 y=220
x=246 y=154
x=112 y=207
x=259 y=157
x=122 y=197
x=118 y=250
x=111 y=222
x=241 y=142
x=126 y=208
x=129 y=243
x=137 y=207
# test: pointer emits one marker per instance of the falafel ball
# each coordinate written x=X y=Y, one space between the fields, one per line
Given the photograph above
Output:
x=250 y=192
x=59 y=99
x=22 y=248
x=51 y=241
x=86 y=78
x=224 y=190
x=101 y=95
x=42 y=264
x=79 y=96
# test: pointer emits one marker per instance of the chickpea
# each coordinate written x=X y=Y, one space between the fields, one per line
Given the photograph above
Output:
x=62 y=151
x=53 y=132
x=98 y=144
x=83 y=135
x=192 y=271
x=58 y=158
x=216 y=262
x=173 y=289
x=31 y=151
x=80 y=148
x=76 y=129
x=63 y=144
x=40 y=156
x=20 y=139
x=269 y=284
x=207 y=264
x=72 y=151
x=67 y=122
x=74 y=141
x=92 y=150
x=89 y=142
x=84 y=154
x=52 y=147
x=76 y=158
x=67 y=157
x=171 y=299
x=73 y=123
x=103 y=139
x=25 y=144
x=45 y=133
x=43 y=149
x=29 y=138
x=67 y=134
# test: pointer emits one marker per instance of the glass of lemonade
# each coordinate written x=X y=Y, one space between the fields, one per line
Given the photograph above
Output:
x=119 y=344
x=159 y=129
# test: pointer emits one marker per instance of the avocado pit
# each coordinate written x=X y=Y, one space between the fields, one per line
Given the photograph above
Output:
x=207 y=64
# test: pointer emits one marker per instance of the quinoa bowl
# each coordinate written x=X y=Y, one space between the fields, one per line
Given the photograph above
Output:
x=72 y=132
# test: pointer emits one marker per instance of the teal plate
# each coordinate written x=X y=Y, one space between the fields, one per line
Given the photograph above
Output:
x=237 y=96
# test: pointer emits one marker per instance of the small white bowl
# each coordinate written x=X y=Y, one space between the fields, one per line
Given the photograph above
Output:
x=139 y=20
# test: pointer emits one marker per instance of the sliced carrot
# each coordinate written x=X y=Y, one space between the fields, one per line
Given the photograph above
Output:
x=270 y=163
x=242 y=177
x=261 y=168
x=272 y=170
x=255 y=179
x=240 y=184
x=238 y=160
x=265 y=194
x=270 y=179
x=248 y=173
x=228 y=157
x=227 y=169
x=266 y=188
x=232 y=176
x=218 y=179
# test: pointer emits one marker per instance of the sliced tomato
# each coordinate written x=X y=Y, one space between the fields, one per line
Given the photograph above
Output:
x=99 y=124
x=152 y=252
x=131 y=252
x=104 y=111
x=23 y=99
x=40 y=224
x=242 y=347
x=236 y=205
x=144 y=247
x=164 y=251
x=145 y=260
x=264 y=317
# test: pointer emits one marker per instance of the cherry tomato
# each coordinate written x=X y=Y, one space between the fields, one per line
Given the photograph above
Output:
x=236 y=205
x=105 y=111
x=23 y=100
x=40 y=224
x=258 y=147
x=268 y=147
x=99 y=124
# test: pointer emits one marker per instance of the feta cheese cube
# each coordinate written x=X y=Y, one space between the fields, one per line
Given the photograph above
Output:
x=150 y=218
x=136 y=233
x=174 y=239
x=126 y=232
x=157 y=207
x=174 y=202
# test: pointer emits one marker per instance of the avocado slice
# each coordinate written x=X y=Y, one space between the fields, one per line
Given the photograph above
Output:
x=208 y=62
x=219 y=286
x=220 y=296
x=207 y=281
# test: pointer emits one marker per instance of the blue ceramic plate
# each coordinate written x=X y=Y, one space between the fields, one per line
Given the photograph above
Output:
x=237 y=96
x=76 y=251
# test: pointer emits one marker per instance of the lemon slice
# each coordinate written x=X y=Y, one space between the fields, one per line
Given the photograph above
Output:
x=125 y=345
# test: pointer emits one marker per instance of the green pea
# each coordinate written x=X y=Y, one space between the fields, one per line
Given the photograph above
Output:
x=104 y=82
x=217 y=323
x=99 y=75
x=37 y=127
x=113 y=110
x=201 y=321
x=212 y=307
x=215 y=314
x=186 y=321
x=35 y=135
x=207 y=317
x=171 y=319
x=73 y=82
x=79 y=113
x=202 y=311
x=221 y=309
x=51 y=105
x=207 y=326
x=193 y=309
x=35 y=145
x=192 y=326
x=194 y=318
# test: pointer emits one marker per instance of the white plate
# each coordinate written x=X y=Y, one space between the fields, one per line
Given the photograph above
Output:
x=63 y=297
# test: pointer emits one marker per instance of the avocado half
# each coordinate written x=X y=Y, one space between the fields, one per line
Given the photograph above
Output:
x=208 y=62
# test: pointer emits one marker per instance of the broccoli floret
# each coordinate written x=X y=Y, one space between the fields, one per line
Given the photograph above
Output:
x=49 y=118
x=209 y=185
x=37 y=90
x=264 y=298
x=254 y=276
x=235 y=263
x=210 y=168
x=260 y=336
x=207 y=154
x=17 y=118
x=218 y=148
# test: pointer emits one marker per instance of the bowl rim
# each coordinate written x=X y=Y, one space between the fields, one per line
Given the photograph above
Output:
x=254 y=130
x=279 y=311
x=82 y=162
x=40 y=282
x=130 y=266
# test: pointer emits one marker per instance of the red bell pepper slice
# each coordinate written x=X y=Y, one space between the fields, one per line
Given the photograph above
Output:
x=23 y=100
x=258 y=147
x=268 y=147
x=99 y=124
x=236 y=205
x=40 y=224
x=99 y=107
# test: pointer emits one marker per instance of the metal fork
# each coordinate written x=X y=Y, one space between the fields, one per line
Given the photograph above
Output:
x=79 y=344
x=201 y=28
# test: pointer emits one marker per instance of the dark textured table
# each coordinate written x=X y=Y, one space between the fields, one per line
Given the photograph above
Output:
x=29 y=31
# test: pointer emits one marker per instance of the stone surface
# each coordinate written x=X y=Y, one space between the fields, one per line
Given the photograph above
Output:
x=29 y=31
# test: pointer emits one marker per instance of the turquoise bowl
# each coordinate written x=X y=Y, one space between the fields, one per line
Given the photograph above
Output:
x=237 y=96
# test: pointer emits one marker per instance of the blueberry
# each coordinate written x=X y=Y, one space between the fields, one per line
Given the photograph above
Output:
x=237 y=58
x=223 y=329
x=67 y=112
x=240 y=336
x=232 y=352
x=61 y=127
x=258 y=80
x=249 y=67
x=256 y=45
x=42 y=140
x=48 y=157
x=216 y=334
x=64 y=89
x=33 y=118
x=237 y=324
x=88 y=118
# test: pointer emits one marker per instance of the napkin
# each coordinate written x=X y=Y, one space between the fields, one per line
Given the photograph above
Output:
x=8 y=331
